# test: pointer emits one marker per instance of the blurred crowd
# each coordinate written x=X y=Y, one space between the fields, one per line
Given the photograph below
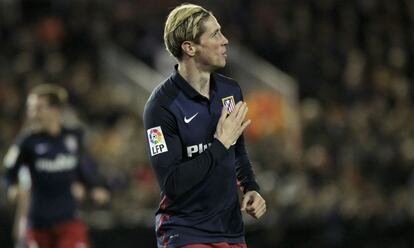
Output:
x=353 y=62
x=58 y=42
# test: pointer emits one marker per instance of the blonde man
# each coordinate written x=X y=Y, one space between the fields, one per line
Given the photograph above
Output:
x=55 y=158
x=194 y=122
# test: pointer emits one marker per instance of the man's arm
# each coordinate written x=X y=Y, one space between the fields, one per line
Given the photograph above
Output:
x=90 y=177
x=21 y=204
x=244 y=169
x=88 y=171
x=175 y=175
x=252 y=203
x=18 y=184
x=12 y=162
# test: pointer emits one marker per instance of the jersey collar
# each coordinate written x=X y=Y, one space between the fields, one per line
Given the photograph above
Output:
x=188 y=89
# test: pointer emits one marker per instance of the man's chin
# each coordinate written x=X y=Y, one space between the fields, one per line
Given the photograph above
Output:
x=215 y=67
x=221 y=65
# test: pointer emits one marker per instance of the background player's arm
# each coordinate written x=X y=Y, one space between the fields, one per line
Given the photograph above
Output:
x=18 y=190
x=13 y=161
x=89 y=177
x=22 y=205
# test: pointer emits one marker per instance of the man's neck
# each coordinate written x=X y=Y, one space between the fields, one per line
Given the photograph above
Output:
x=53 y=128
x=199 y=79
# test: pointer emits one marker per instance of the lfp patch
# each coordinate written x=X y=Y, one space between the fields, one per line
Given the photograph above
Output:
x=156 y=141
x=228 y=102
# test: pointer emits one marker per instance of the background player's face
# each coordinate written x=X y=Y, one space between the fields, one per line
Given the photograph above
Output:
x=211 y=50
x=40 y=112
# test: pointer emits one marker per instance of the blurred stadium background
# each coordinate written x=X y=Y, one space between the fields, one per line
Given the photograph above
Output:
x=328 y=82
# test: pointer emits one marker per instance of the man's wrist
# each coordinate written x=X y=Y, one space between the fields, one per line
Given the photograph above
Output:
x=253 y=186
x=224 y=143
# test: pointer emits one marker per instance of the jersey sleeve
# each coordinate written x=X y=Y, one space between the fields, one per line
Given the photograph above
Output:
x=244 y=169
x=16 y=156
x=88 y=171
x=175 y=175
x=87 y=168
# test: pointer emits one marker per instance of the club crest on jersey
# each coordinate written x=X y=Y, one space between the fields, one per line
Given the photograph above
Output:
x=156 y=141
x=71 y=143
x=228 y=102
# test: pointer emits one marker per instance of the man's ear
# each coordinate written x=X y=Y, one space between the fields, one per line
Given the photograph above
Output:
x=188 y=48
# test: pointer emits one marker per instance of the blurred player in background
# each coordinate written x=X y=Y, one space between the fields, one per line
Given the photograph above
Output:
x=194 y=122
x=55 y=160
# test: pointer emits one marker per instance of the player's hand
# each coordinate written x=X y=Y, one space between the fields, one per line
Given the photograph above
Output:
x=253 y=204
x=12 y=193
x=231 y=126
x=78 y=191
x=100 y=195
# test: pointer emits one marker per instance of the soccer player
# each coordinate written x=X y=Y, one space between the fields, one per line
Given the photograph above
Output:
x=54 y=156
x=194 y=122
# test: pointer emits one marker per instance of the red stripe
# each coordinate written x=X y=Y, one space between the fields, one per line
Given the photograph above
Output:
x=162 y=219
x=163 y=205
x=165 y=242
x=163 y=202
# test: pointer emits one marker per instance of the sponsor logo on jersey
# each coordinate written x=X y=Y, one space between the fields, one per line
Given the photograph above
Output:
x=197 y=149
x=228 y=102
x=156 y=141
x=187 y=120
x=61 y=163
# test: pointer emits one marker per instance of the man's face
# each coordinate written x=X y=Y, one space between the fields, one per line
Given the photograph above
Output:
x=40 y=112
x=211 y=50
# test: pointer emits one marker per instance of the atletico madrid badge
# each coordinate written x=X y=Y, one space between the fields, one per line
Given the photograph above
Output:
x=228 y=102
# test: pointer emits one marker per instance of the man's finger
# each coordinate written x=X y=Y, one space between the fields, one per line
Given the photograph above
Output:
x=261 y=212
x=258 y=212
x=224 y=113
x=244 y=203
x=260 y=209
x=256 y=202
x=252 y=206
x=222 y=118
x=236 y=110
x=245 y=125
x=242 y=112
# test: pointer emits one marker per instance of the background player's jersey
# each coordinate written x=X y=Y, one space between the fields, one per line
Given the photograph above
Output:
x=197 y=175
x=54 y=163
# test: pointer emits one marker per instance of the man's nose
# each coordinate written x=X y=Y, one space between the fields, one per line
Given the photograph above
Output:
x=225 y=41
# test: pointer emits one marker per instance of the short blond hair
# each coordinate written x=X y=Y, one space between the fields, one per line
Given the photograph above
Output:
x=184 y=23
x=57 y=95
